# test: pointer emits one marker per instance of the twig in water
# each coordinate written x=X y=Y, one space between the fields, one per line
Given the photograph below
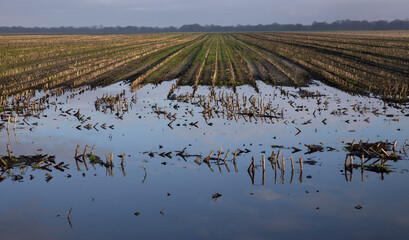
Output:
x=15 y=122
x=301 y=168
x=92 y=150
x=146 y=173
x=197 y=161
x=76 y=151
x=8 y=150
x=68 y=217
x=123 y=157
x=208 y=157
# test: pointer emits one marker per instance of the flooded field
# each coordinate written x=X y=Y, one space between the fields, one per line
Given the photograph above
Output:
x=152 y=162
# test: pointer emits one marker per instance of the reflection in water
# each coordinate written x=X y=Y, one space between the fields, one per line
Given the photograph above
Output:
x=151 y=153
x=47 y=163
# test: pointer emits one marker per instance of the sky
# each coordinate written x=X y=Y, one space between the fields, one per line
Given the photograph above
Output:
x=161 y=13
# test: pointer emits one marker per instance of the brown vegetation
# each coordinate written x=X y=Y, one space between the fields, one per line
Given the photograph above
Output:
x=362 y=62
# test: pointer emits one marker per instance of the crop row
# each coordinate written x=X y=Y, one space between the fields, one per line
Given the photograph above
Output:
x=362 y=62
x=86 y=65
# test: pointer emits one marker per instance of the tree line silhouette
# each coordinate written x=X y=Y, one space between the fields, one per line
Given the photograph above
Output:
x=340 y=25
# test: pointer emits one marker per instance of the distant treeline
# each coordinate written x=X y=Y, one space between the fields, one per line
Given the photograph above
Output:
x=341 y=25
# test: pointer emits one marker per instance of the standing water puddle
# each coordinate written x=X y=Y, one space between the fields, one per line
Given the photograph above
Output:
x=167 y=187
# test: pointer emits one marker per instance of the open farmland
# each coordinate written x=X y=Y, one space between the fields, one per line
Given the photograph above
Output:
x=198 y=136
x=357 y=62
x=366 y=62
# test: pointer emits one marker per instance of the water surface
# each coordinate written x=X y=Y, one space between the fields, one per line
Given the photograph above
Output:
x=173 y=195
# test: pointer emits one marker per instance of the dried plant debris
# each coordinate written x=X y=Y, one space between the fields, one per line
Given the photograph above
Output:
x=16 y=167
x=373 y=150
x=314 y=148
x=39 y=161
x=216 y=195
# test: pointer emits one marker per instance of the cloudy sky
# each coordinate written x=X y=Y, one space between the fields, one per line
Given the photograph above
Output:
x=51 y=13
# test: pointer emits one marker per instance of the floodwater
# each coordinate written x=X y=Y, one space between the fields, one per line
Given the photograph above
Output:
x=158 y=194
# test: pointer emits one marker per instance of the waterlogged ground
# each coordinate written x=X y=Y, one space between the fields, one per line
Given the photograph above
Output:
x=161 y=192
